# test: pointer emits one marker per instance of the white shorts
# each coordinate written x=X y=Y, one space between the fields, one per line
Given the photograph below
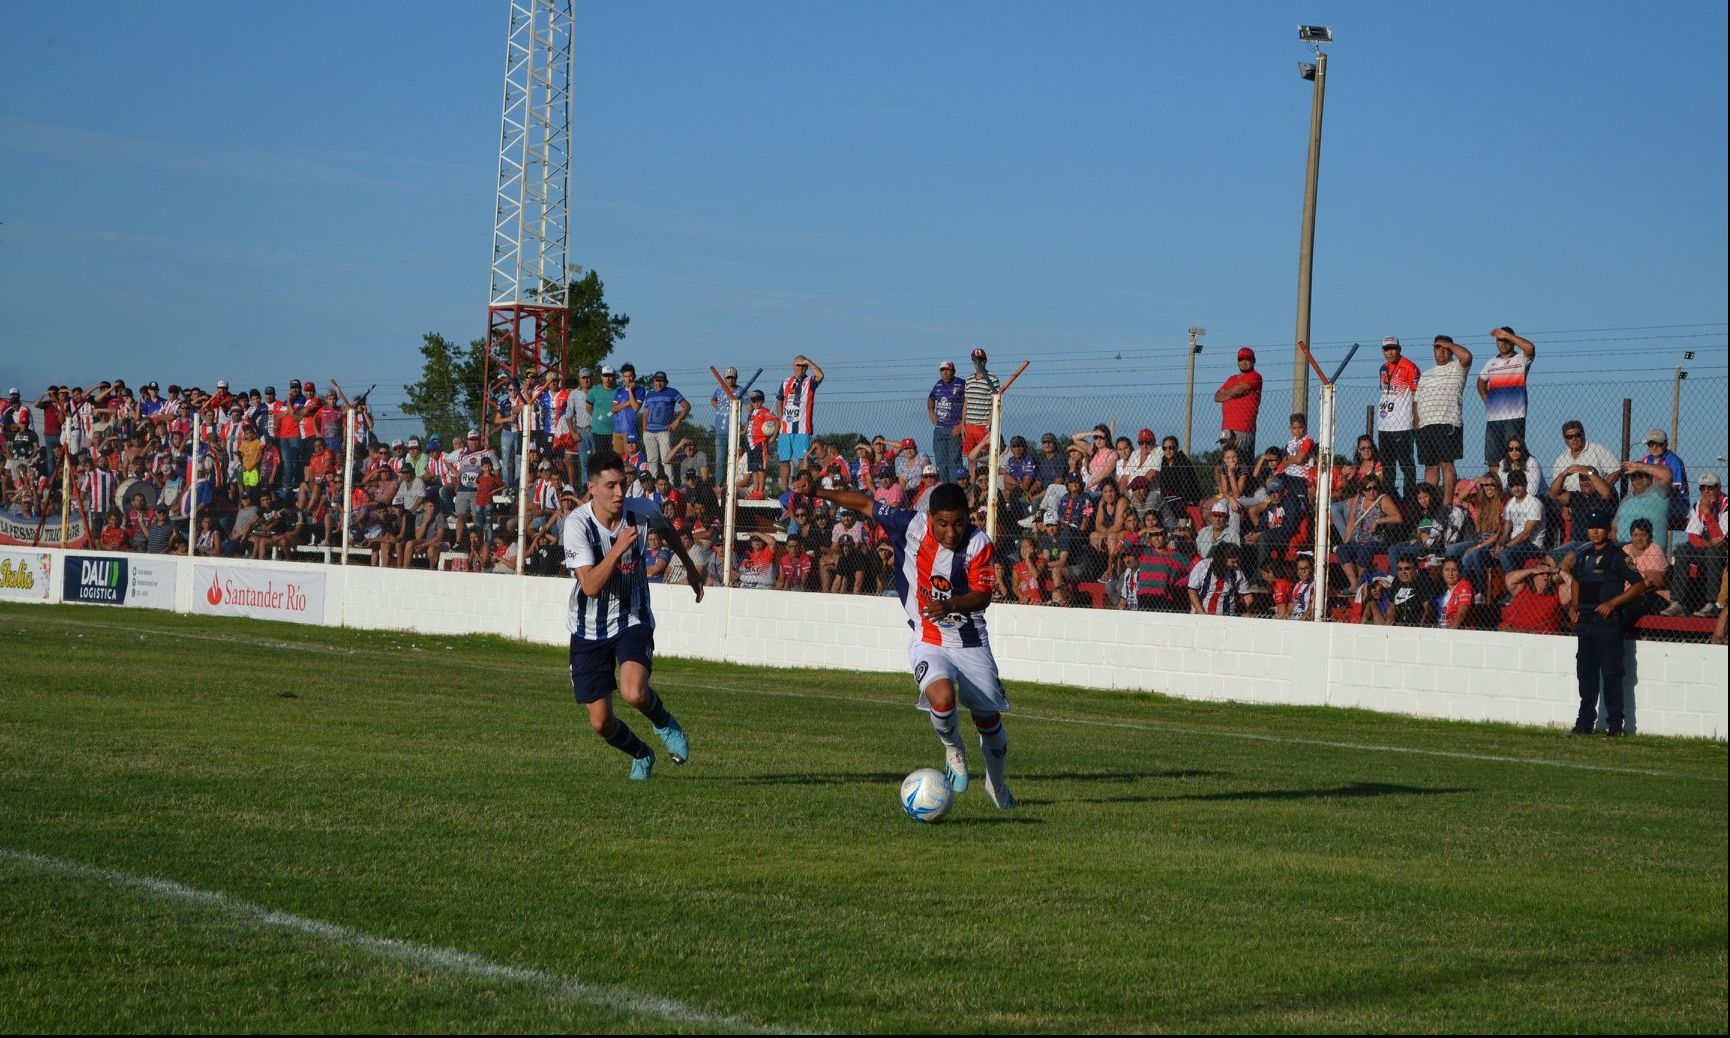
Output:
x=973 y=670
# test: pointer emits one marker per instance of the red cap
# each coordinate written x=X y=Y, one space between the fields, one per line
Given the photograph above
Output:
x=1246 y=354
x=1144 y=436
x=978 y=354
x=909 y=444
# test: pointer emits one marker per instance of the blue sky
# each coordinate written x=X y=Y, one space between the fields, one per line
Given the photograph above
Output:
x=190 y=191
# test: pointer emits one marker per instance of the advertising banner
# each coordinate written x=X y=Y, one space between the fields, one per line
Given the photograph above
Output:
x=26 y=575
x=137 y=580
x=23 y=529
x=263 y=594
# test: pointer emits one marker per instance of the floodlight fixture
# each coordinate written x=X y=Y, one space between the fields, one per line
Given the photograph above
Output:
x=1316 y=34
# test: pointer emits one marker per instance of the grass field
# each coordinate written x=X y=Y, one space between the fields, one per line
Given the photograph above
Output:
x=226 y=825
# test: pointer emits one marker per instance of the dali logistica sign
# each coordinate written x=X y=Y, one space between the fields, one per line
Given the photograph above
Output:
x=95 y=580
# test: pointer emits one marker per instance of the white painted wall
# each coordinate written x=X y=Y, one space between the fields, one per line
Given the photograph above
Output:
x=1675 y=689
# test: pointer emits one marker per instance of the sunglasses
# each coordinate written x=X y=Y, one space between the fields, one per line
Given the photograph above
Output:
x=1573 y=436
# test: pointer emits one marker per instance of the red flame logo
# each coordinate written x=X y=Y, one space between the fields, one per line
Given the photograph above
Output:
x=214 y=595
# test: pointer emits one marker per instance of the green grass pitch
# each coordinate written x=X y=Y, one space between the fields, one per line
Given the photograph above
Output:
x=234 y=826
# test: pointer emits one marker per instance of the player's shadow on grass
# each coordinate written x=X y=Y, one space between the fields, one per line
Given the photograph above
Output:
x=1354 y=791
x=1121 y=776
x=810 y=778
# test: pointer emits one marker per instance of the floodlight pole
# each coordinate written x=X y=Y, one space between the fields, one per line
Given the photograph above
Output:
x=1306 y=247
x=1189 y=397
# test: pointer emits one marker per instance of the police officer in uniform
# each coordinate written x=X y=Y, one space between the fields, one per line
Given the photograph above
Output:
x=1607 y=583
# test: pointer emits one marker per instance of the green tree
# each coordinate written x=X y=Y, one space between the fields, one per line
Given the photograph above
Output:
x=448 y=396
x=593 y=330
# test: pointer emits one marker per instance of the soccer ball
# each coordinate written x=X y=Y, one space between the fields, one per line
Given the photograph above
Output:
x=926 y=796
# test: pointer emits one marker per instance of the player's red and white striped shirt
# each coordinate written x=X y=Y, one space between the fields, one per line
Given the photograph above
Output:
x=926 y=571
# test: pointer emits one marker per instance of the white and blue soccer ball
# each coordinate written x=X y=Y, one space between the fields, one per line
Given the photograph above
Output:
x=926 y=796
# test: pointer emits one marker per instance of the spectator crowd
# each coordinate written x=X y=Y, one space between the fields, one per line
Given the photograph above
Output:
x=1085 y=518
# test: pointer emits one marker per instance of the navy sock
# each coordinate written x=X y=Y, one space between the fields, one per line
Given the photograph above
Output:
x=655 y=710
x=620 y=737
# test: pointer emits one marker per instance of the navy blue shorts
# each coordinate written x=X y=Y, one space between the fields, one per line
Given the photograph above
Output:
x=592 y=663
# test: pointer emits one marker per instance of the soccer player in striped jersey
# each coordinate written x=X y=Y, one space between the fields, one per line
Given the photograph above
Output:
x=945 y=572
x=609 y=618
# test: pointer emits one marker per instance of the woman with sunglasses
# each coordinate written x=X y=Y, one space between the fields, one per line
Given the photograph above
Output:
x=1099 y=460
x=1517 y=458
x=1348 y=477
x=1369 y=514
x=1177 y=477
x=1486 y=503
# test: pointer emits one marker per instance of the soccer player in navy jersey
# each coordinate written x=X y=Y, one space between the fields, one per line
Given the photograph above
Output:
x=609 y=618
x=945 y=573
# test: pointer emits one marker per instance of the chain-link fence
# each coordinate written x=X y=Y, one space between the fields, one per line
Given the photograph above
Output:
x=1119 y=496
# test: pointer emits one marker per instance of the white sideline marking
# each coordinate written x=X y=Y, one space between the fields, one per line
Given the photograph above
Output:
x=1223 y=733
x=423 y=956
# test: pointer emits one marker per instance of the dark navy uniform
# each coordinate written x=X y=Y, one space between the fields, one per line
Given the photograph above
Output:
x=1601 y=574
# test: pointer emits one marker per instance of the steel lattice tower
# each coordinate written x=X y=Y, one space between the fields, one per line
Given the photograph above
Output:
x=526 y=303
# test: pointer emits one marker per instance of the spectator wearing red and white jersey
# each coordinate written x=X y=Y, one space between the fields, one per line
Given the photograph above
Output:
x=1300 y=451
x=1397 y=415
x=795 y=406
x=1218 y=585
x=1700 y=562
x=1441 y=424
x=761 y=429
x=1239 y=398
x=1502 y=387
x=1455 y=600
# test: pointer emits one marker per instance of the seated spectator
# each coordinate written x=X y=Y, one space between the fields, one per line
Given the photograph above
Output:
x=1143 y=461
x=852 y=566
x=114 y=535
x=1293 y=587
x=1516 y=458
x=1274 y=520
x=1700 y=561
x=1217 y=585
x=656 y=555
x=1368 y=518
x=1027 y=577
x=1523 y=516
x=1659 y=455
x=1653 y=565
x=1583 y=490
x=1159 y=571
x=1348 y=482
x=882 y=576
x=1406 y=597
x=209 y=542
x=428 y=537
x=1111 y=516
x=1648 y=498
x=1439 y=526
x=1224 y=526
x=1541 y=592
x=757 y=564
x=163 y=537
x=797 y=565
x=1453 y=600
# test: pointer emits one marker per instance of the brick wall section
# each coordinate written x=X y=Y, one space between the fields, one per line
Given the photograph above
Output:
x=1676 y=689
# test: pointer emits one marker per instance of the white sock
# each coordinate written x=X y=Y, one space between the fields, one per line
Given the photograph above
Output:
x=948 y=729
x=993 y=746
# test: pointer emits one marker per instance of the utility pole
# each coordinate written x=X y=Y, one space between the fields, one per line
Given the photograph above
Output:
x=1317 y=73
x=1189 y=397
x=1676 y=403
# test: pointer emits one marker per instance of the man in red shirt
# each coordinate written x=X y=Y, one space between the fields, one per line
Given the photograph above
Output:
x=1239 y=399
x=1541 y=592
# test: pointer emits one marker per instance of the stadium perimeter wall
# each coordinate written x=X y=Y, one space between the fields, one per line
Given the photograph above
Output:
x=1676 y=689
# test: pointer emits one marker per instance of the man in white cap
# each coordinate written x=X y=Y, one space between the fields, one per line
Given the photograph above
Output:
x=945 y=404
x=1397 y=415
x=1502 y=388
x=720 y=401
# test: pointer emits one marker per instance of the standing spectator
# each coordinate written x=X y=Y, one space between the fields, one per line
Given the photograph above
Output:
x=1440 y=419
x=1240 y=400
x=1397 y=415
x=627 y=409
x=982 y=387
x=795 y=405
x=1578 y=458
x=1300 y=451
x=761 y=429
x=1700 y=561
x=945 y=404
x=601 y=406
x=1605 y=581
x=664 y=408
x=1502 y=388
x=1658 y=453
x=1217 y=584
x=580 y=419
x=721 y=400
